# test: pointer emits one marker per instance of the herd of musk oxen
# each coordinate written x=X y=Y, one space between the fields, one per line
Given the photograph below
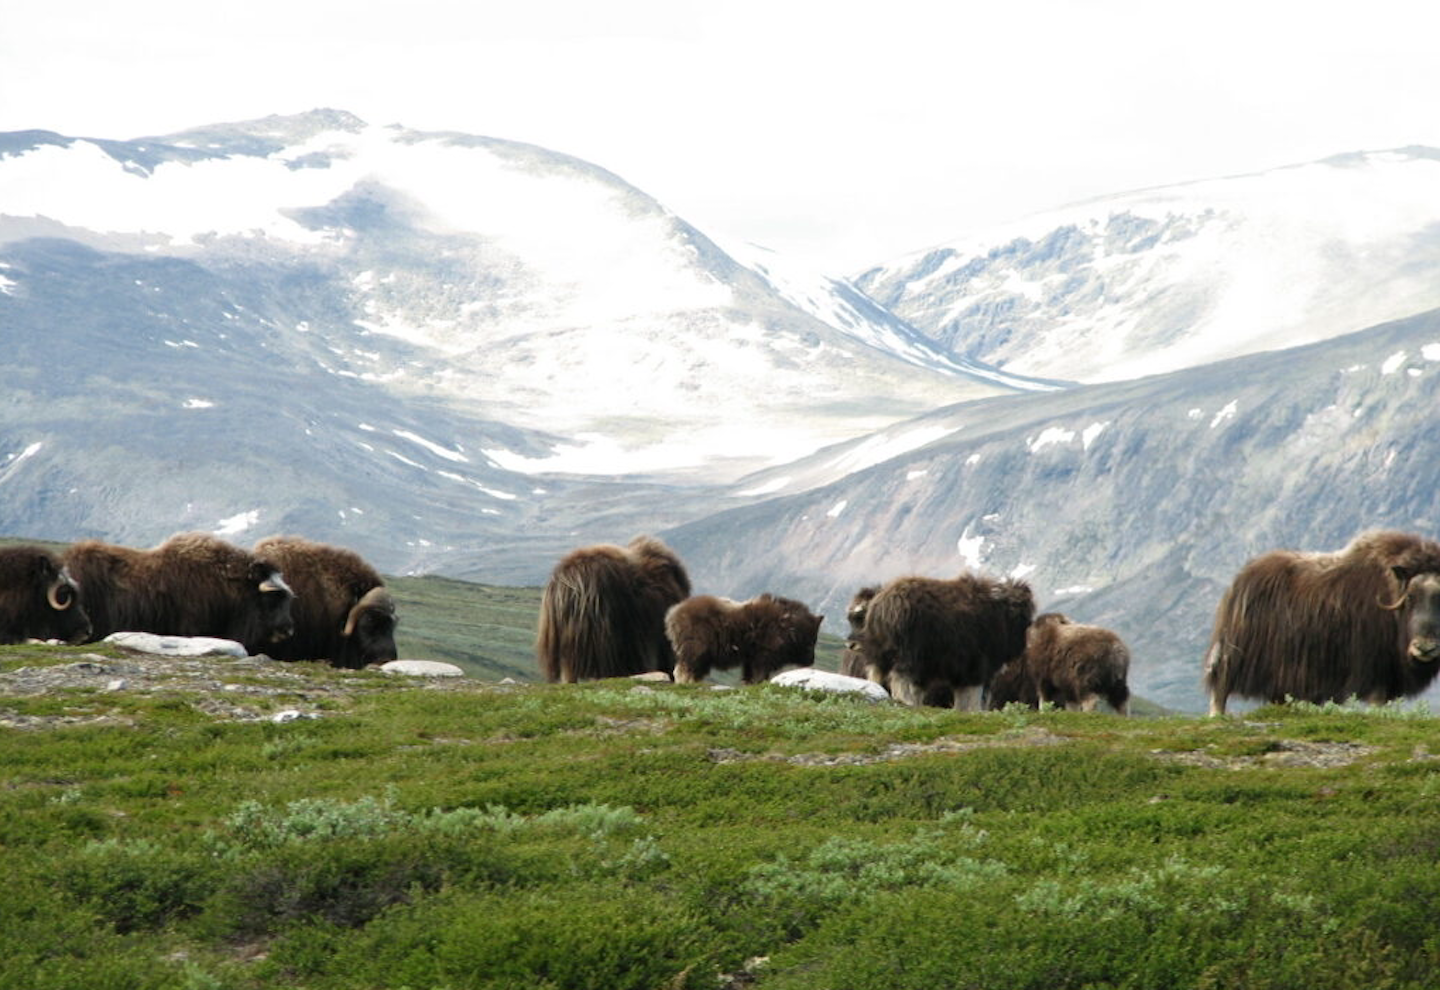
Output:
x=1363 y=622
x=289 y=598
x=1360 y=623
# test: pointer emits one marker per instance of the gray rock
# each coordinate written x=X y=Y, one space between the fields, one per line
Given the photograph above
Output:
x=823 y=680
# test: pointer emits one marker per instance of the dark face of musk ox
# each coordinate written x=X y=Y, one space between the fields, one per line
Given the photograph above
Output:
x=1422 y=597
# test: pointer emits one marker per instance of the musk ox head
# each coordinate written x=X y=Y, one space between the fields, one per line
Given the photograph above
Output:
x=39 y=598
x=270 y=605
x=369 y=632
x=1419 y=606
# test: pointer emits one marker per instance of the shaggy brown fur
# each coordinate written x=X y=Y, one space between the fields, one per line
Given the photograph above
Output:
x=1066 y=664
x=602 y=613
x=193 y=584
x=38 y=600
x=1011 y=684
x=1363 y=622
x=343 y=612
x=852 y=663
x=760 y=636
x=924 y=635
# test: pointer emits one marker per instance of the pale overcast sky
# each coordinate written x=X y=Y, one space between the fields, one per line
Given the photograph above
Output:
x=842 y=134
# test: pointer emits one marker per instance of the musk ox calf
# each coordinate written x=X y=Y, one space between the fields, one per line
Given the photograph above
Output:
x=602 y=613
x=38 y=599
x=927 y=636
x=760 y=636
x=852 y=664
x=343 y=612
x=1363 y=622
x=1068 y=664
x=193 y=584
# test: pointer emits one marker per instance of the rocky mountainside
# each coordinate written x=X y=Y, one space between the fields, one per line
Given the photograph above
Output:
x=1129 y=504
x=1168 y=278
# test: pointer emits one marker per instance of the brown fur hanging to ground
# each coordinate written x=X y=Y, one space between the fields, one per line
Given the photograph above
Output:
x=38 y=599
x=343 y=613
x=1066 y=664
x=760 y=636
x=926 y=636
x=602 y=613
x=193 y=584
x=1363 y=622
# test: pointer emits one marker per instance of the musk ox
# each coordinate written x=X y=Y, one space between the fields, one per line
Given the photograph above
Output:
x=926 y=636
x=193 y=584
x=38 y=599
x=602 y=613
x=342 y=610
x=1068 y=664
x=852 y=663
x=1363 y=622
x=760 y=636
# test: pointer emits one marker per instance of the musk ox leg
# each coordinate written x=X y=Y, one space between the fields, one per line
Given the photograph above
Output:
x=968 y=698
x=905 y=690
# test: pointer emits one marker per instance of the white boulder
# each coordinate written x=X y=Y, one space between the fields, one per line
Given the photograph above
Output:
x=422 y=668
x=823 y=680
x=177 y=646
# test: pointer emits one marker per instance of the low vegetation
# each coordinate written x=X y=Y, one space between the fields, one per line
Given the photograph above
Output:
x=461 y=833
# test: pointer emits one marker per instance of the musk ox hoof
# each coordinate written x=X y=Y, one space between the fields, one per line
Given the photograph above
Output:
x=177 y=646
x=823 y=680
x=422 y=668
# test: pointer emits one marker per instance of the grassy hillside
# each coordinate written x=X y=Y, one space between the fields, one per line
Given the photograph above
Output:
x=158 y=829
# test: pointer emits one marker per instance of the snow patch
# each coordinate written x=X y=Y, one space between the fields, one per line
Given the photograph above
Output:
x=913 y=475
x=971 y=549
x=838 y=508
x=1393 y=363
x=768 y=488
x=237 y=524
x=1087 y=437
x=199 y=404
x=1049 y=437
x=434 y=448
x=12 y=459
x=8 y=286
x=1226 y=413
x=1022 y=571
x=1430 y=352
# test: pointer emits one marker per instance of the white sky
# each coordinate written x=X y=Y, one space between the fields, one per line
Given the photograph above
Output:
x=839 y=133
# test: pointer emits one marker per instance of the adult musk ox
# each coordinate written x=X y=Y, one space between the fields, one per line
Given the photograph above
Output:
x=1068 y=664
x=193 y=584
x=926 y=635
x=760 y=636
x=343 y=612
x=602 y=613
x=1363 y=622
x=38 y=599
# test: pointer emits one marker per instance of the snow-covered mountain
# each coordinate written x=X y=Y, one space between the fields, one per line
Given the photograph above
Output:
x=514 y=283
x=1162 y=279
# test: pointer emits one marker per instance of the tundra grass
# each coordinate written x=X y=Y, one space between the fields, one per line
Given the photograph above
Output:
x=615 y=835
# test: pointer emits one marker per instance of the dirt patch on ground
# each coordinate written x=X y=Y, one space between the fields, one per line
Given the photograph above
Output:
x=1280 y=753
x=1031 y=736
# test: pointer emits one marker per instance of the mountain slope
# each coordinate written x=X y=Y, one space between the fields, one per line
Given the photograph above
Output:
x=1129 y=504
x=1162 y=279
x=507 y=282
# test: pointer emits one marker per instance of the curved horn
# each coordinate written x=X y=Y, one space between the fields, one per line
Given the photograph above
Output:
x=274 y=583
x=52 y=594
x=377 y=598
